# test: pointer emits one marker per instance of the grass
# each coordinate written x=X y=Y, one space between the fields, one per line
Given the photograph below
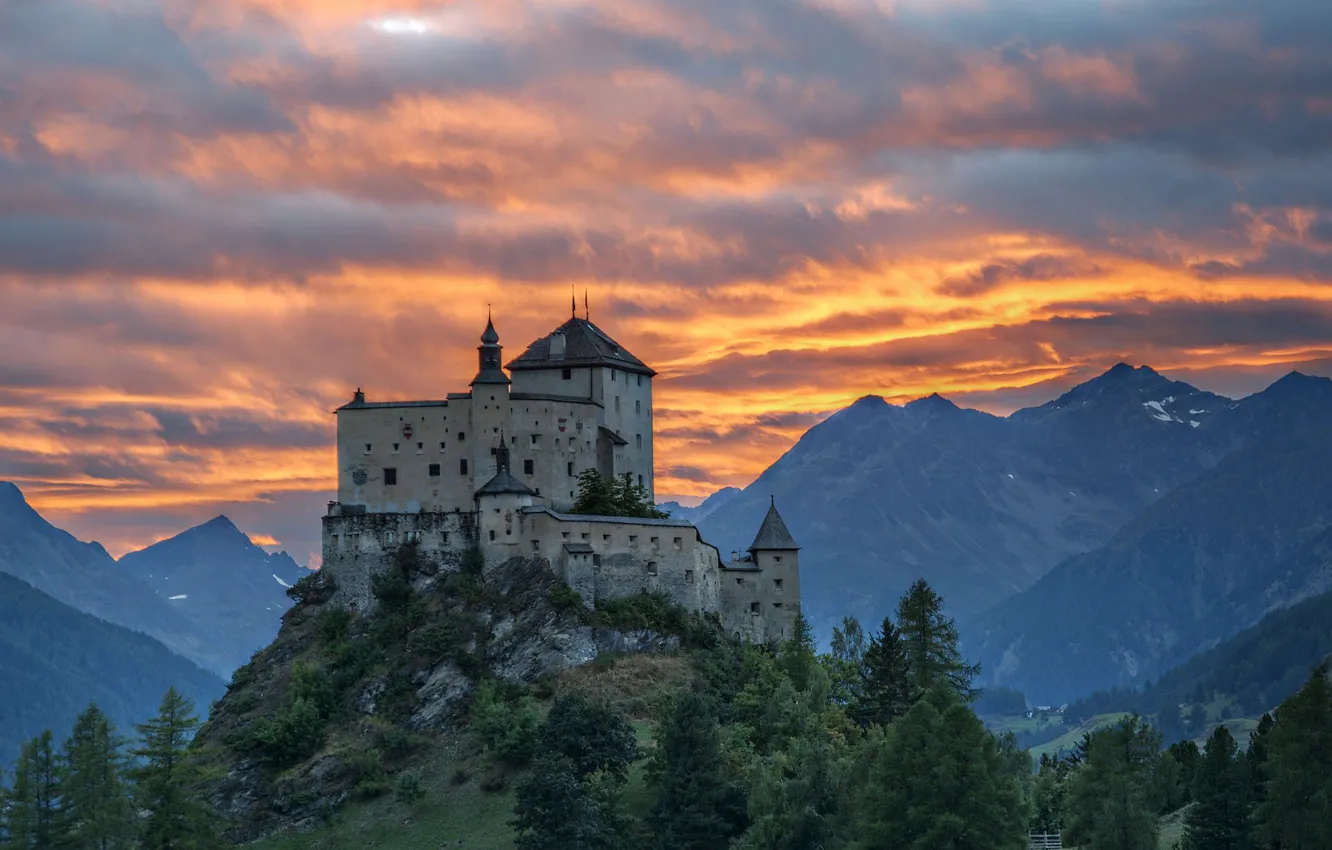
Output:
x=448 y=814
x=1067 y=741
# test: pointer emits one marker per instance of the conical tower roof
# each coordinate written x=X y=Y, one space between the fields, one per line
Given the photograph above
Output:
x=773 y=534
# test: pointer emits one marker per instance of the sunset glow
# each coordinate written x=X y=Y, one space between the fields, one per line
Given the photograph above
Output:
x=217 y=220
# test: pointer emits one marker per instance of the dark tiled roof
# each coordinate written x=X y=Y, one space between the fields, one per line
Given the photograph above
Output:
x=363 y=405
x=503 y=482
x=773 y=534
x=578 y=548
x=619 y=520
x=585 y=344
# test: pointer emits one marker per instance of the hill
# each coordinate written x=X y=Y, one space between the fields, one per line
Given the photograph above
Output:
x=395 y=690
x=1197 y=566
x=220 y=579
x=1244 y=676
x=55 y=660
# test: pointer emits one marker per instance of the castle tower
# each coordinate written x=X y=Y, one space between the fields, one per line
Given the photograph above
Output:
x=777 y=556
x=499 y=505
x=490 y=404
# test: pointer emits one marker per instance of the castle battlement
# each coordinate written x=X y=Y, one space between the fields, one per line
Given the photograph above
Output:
x=496 y=468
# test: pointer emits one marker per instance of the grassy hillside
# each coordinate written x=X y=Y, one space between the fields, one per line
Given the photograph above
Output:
x=55 y=660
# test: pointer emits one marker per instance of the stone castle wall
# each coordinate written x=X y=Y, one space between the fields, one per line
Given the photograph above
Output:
x=600 y=557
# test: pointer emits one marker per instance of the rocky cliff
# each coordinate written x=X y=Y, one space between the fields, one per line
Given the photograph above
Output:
x=338 y=703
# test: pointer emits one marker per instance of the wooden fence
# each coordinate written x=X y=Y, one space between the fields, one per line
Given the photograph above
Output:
x=1045 y=841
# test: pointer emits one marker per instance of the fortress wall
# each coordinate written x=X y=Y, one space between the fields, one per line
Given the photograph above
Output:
x=357 y=547
x=628 y=558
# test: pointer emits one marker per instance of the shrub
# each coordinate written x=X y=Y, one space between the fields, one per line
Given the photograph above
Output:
x=333 y=624
x=656 y=612
x=296 y=732
x=303 y=589
x=311 y=683
x=564 y=598
x=473 y=562
x=507 y=726
x=408 y=788
x=392 y=590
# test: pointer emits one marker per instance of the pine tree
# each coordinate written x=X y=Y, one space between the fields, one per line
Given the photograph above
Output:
x=557 y=810
x=164 y=778
x=795 y=797
x=1113 y=793
x=30 y=813
x=1299 y=769
x=95 y=811
x=937 y=778
x=698 y=806
x=1219 y=818
x=929 y=640
x=886 y=690
x=798 y=658
x=592 y=735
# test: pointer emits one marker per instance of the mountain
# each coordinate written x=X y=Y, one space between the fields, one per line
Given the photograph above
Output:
x=1244 y=538
x=979 y=505
x=697 y=513
x=1244 y=676
x=55 y=660
x=220 y=579
x=85 y=577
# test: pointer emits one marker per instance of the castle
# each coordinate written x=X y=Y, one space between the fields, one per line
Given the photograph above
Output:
x=497 y=468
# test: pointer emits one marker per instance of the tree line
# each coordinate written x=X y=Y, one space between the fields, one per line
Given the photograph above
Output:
x=100 y=791
x=875 y=746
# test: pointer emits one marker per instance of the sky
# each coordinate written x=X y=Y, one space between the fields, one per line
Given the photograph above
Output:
x=219 y=218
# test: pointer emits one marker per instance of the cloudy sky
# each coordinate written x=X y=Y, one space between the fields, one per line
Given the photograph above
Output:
x=217 y=218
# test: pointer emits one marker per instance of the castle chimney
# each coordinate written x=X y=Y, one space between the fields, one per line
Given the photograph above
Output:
x=358 y=397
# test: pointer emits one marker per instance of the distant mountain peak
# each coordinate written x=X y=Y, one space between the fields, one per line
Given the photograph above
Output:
x=870 y=401
x=10 y=494
x=933 y=401
x=220 y=523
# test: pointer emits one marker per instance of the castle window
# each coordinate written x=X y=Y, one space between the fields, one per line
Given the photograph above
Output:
x=617 y=404
x=567 y=375
x=777 y=558
x=390 y=475
x=367 y=448
x=640 y=380
x=689 y=576
x=444 y=536
x=754 y=608
x=462 y=466
x=433 y=470
x=461 y=436
x=640 y=481
x=596 y=560
x=777 y=605
x=652 y=568
x=605 y=538
x=536 y=545
x=571 y=467
x=679 y=543
x=740 y=581
x=638 y=406
x=390 y=538
x=564 y=534
x=529 y=467
x=492 y=534
x=420 y=447
x=395 y=448
x=441 y=447
x=633 y=540
x=586 y=536
x=513 y=441
x=638 y=438
x=655 y=545
x=612 y=374
x=777 y=585
x=334 y=541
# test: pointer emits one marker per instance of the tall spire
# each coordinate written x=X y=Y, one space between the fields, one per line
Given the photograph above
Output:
x=573 y=302
x=773 y=533
x=587 y=311
x=489 y=355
